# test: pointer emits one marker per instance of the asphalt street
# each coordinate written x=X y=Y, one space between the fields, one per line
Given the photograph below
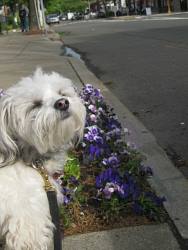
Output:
x=144 y=63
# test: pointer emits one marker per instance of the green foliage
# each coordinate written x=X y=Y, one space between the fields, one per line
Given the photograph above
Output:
x=72 y=167
x=112 y=208
x=9 y=24
x=79 y=195
x=150 y=208
x=65 y=216
x=53 y=6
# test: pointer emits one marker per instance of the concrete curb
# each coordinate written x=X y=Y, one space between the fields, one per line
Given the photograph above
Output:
x=168 y=181
x=152 y=237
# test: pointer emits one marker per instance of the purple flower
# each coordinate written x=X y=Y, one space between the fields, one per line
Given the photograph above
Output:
x=113 y=160
x=124 y=191
x=103 y=147
x=88 y=89
x=108 y=190
x=93 y=130
x=94 y=151
x=108 y=175
x=92 y=108
x=66 y=200
x=89 y=137
x=98 y=139
x=97 y=92
x=73 y=180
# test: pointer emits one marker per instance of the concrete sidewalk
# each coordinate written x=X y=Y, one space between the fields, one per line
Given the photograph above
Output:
x=19 y=56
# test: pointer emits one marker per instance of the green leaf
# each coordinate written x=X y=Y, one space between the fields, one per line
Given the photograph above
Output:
x=72 y=167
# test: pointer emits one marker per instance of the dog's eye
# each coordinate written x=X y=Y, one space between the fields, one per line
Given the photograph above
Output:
x=61 y=93
x=37 y=104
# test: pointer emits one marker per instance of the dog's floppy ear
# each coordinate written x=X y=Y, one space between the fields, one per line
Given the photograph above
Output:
x=8 y=148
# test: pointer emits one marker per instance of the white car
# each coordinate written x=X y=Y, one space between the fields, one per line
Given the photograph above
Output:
x=52 y=18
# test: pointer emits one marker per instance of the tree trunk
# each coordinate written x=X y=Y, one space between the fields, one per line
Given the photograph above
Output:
x=33 y=23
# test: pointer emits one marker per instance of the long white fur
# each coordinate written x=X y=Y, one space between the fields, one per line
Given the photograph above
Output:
x=29 y=132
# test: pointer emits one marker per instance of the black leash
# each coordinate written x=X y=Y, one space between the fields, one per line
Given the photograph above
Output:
x=54 y=211
x=53 y=205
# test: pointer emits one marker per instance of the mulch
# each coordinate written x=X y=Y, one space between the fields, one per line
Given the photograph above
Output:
x=88 y=220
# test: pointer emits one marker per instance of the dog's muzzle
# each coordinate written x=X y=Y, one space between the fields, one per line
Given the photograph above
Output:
x=62 y=104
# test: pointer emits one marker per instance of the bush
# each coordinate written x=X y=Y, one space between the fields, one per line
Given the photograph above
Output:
x=8 y=23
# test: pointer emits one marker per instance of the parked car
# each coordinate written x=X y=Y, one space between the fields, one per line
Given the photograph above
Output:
x=63 y=17
x=93 y=14
x=78 y=16
x=101 y=14
x=52 y=18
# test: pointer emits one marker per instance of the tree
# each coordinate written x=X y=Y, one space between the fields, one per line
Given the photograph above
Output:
x=33 y=16
x=65 y=5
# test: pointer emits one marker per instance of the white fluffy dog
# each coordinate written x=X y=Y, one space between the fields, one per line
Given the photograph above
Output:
x=40 y=117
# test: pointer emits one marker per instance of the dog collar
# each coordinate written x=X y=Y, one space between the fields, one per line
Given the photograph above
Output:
x=38 y=165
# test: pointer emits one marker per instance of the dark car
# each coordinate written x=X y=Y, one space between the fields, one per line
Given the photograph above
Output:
x=101 y=14
x=63 y=17
x=79 y=16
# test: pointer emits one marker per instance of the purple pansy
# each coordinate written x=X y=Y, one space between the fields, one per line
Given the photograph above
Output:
x=93 y=118
x=89 y=137
x=104 y=146
x=93 y=130
x=92 y=108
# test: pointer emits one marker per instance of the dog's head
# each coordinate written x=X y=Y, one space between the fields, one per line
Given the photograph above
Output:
x=42 y=111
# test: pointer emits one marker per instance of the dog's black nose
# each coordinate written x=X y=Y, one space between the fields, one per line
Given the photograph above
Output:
x=61 y=104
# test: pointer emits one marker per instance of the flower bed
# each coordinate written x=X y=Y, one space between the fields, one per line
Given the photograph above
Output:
x=105 y=181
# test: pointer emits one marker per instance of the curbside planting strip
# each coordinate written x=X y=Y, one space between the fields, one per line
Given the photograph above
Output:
x=168 y=181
